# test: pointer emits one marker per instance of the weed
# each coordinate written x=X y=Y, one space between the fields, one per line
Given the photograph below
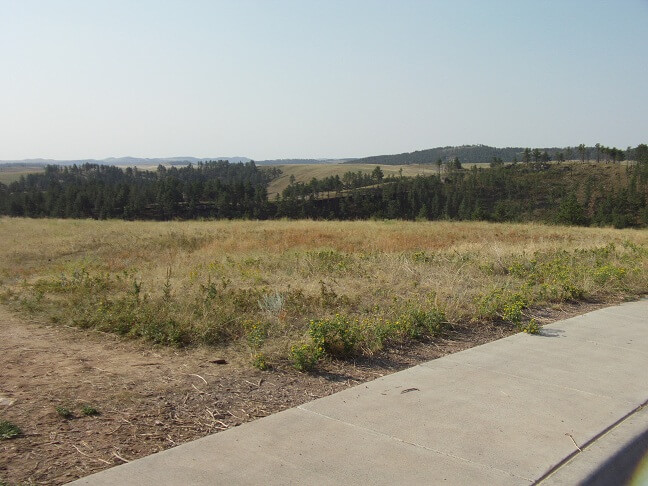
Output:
x=64 y=412
x=256 y=333
x=272 y=303
x=166 y=289
x=89 y=411
x=260 y=361
x=530 y=327
x=512 y=310
x=8 y=430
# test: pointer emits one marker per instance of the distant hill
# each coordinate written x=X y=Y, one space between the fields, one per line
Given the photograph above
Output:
x=466 y=153
x=301 y=161
x=129 y=161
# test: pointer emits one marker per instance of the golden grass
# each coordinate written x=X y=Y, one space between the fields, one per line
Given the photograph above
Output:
x=367 y=270
x=305 y=172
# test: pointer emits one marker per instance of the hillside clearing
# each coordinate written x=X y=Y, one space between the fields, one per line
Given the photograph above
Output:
x=305 y=172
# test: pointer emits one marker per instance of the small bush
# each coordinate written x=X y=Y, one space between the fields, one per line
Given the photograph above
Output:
x=337 y=336
x=512 y=311
x=305 y=356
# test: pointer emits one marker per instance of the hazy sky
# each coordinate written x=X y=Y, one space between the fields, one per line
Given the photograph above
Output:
x=348 y=78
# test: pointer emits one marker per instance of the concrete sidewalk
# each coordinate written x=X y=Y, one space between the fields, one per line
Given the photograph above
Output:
x=514 y=411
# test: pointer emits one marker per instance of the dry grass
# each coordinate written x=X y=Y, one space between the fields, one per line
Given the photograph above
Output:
x=258 y=285
x=9 y=174
x=305 y=172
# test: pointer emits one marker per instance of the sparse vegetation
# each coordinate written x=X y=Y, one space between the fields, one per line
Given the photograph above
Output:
x=64 y=412
x=8 y=430
x=89 y=411
x=293 y=293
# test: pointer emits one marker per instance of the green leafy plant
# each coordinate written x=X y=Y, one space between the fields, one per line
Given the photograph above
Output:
x=256 y=333
x=8 y=430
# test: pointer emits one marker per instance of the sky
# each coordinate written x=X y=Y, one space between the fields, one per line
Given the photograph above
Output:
x=273 y=79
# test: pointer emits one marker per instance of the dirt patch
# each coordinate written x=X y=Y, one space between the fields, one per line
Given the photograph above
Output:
x=154 y=398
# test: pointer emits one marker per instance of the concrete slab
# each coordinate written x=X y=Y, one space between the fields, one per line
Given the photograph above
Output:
x=589 y=462
x=299 y=447
x=507 y=412
x=454 y=408
x=586 y=366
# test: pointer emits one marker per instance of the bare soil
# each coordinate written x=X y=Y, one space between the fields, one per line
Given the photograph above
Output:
x=153 y=398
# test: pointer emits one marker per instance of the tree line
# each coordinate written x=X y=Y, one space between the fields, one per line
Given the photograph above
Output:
x=583 y=194
x=477 y=154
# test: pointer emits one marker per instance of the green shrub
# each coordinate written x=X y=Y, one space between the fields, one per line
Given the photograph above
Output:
x=337 y=336
x=418 y=323
x=305 y=356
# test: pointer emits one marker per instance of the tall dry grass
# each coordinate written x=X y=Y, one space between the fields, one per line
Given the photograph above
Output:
x=265 y=286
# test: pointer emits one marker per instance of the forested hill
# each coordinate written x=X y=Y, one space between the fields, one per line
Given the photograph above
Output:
x=479 y=154
x=569 y=193
x=216 y=188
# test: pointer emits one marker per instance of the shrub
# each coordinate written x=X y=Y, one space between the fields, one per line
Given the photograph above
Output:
x=337 y=336
x=305 y=356
x=418 y=323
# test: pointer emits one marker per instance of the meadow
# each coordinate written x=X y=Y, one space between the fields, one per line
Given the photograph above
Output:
x=305 y=172
x=9 y=173
x=291 y=293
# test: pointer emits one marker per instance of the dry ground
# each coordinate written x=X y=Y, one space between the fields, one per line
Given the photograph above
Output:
x=154 y=398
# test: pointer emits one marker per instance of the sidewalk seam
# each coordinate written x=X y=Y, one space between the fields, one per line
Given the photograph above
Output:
x=414 y=444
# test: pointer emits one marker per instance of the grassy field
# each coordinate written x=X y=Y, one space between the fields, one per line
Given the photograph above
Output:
x=292 y=293
x=305 y=172
x=9 y=174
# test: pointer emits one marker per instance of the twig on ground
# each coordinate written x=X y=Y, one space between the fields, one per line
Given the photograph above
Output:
x=572 y=438
x=194 y=374
x=120 y=457
x=88 y=455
